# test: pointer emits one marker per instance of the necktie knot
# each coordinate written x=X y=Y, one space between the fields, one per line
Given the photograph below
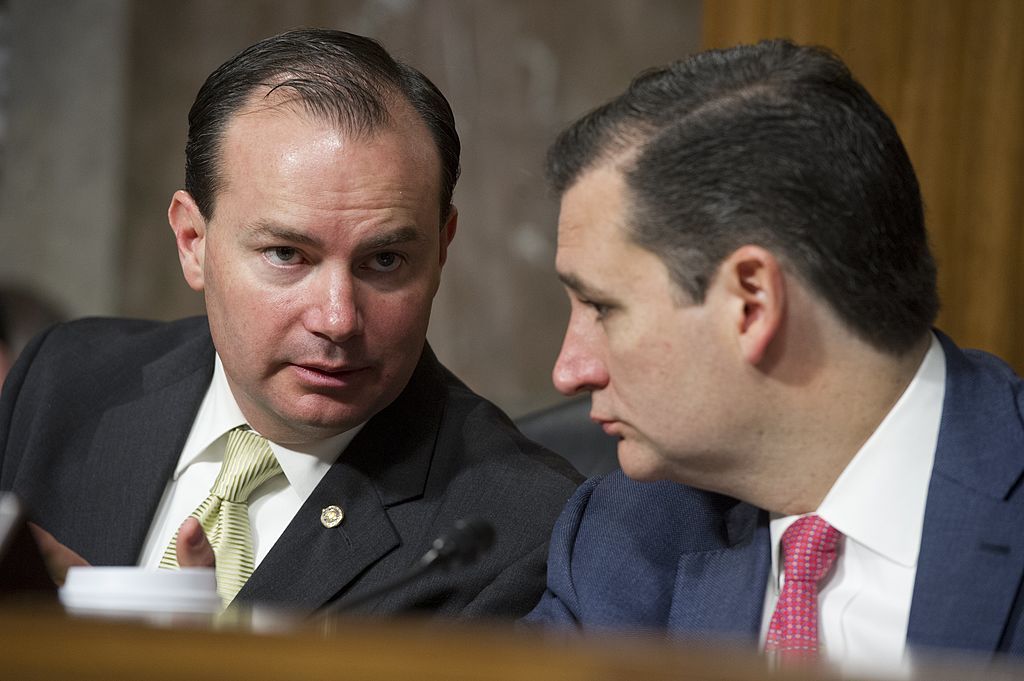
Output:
x=248 y=463
x=809 y=549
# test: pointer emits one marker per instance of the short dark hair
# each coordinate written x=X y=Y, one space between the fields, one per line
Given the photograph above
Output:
x=338 y=75
x=777 y=145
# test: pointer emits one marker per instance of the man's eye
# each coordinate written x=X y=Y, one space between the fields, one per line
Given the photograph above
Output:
x=599 y=308
x=385 y=262
x=282 y=255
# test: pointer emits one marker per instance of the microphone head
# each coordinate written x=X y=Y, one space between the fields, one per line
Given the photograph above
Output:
x=468 y=540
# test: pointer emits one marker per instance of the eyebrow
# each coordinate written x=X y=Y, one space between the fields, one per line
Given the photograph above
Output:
x=263 y=228
x=373 y=242
x=398 y=236
x=573 y=282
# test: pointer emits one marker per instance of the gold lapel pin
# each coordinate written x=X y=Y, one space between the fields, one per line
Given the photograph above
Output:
x=331 y=516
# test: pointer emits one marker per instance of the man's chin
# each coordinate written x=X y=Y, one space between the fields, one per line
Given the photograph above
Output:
x=640 y=463
x=306 y=426
x=298 y=414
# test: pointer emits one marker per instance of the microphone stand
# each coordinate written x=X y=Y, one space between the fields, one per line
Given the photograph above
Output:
x=468 y=541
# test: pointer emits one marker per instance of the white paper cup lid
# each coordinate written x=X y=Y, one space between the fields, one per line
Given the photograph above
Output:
x=133 y=589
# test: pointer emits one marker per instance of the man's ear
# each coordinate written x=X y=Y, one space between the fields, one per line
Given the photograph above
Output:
x=752 y=279
x=189 y=228
x=448 y=233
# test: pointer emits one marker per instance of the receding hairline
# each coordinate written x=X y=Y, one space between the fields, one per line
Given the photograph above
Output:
x=400 y=116
x=276 y=95
x=619 y=164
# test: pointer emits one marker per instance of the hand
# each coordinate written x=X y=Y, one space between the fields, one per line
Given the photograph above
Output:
x=193 y=550
x=193 y=547
x=58 y=558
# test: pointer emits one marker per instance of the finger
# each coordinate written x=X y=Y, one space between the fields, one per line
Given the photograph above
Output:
x=58 y=558
x=193 y=548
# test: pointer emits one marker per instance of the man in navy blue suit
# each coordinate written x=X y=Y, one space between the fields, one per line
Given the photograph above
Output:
x=752 y=297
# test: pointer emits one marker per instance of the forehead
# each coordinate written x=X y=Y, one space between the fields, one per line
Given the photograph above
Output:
x=277 y=138
x=596 y=256
x=592 y=220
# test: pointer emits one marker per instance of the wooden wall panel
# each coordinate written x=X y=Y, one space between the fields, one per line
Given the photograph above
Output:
x=951 y=75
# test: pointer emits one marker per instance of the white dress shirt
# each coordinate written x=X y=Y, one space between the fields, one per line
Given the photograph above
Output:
x=878 y=504
x=271 y=507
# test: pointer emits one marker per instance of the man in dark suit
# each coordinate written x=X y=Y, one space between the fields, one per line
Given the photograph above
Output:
x=316 y=220
x=805 y=462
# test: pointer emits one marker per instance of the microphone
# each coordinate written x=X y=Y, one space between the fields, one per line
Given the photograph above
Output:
x=469 y=539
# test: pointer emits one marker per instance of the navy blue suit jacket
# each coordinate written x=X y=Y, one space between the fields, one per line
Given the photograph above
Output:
x=665 y=556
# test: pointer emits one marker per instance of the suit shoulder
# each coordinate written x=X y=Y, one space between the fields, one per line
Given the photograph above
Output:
x=664 y=513
x=982 y=381
x=117 y=333
x=617 y=493
x=486 y=431
x=87 y=363
x=499 y=439
x=996 y=367
x=974 y=365
x=615 y=550
x=94 y=342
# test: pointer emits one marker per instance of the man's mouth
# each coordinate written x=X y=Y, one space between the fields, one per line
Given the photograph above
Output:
x=609 y=426
x=329 y=375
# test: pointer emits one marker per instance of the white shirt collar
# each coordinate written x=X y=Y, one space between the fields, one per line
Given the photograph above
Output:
x=219 y=413
x=879 y=498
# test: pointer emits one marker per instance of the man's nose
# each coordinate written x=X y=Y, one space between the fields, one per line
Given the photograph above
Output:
x=334 y=311
x=579 y=366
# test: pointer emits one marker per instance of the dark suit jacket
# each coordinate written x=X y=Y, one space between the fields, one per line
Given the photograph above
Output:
x=94 y=416
x=627 y=554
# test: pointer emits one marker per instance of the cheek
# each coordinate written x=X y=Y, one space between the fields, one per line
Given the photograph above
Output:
x=648 y=365
x=643 y=378
x=247 y=313
x=634 y=348
x=395 y=316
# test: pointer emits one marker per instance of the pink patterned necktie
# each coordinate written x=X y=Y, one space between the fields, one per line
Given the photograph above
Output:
x=808 y=550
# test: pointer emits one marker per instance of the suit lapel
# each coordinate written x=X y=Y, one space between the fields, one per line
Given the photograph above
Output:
x=972 y=548
x=134 y=450
x=311 y=563
x=720 y=592
x=385 y=465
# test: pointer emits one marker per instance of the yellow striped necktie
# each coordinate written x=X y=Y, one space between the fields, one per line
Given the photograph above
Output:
x=224 y=515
